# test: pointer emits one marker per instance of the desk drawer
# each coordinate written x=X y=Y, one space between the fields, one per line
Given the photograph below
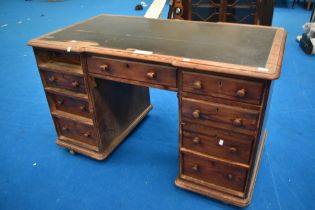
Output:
x=76 y=130
x=71 y=105
x=70 y=82
x=216 y=142
x=149 y=73
x=223 y=87
x=214 y=172
x=220 y=116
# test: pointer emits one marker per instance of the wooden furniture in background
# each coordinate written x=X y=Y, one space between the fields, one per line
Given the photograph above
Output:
x=97 y=85
x=308 y=7
x=257 y=12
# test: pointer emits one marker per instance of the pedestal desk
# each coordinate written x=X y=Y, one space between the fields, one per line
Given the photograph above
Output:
x=97 y=73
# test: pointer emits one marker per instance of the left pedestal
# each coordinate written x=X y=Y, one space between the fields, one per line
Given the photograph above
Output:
x=91 y=116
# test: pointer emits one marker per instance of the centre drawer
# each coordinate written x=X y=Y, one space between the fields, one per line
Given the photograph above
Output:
x=216 y=142
x=143 y=72
x=76 y=130
x=214 y=171
x=220 y=116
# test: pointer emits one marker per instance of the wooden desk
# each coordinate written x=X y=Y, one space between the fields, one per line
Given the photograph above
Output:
x=96 y=76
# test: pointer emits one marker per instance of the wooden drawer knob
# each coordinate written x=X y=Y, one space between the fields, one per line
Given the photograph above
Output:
x=87 y=135
x=104 y=67
x=238 y=122
x=195 y=168
x=52 y=79
x=196 y=140
x=197 y=85
x=59 y=101
x=230 y=176
x=64 y=128
x=241 y=93
x=75 y=84
x=233 y=149
x=196 y=114
x=151 y=75
x=83 y=108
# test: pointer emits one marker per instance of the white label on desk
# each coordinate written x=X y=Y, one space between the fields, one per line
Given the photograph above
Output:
x=68 y=49
x=262 y=69
x=186 y=59
x=143 y=52
x=221 y=142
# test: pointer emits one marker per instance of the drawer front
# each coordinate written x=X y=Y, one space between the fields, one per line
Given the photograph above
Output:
x=220 y=116
x=216 y=142
x=76 y=130
x=69 y=82
x=223 y=87
x=68 y=104
x=142 y=72
x=214 y=172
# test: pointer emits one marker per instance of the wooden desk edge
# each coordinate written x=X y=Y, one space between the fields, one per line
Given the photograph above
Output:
x=272 y=68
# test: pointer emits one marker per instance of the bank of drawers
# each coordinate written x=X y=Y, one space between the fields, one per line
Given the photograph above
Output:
x=218 y=134
x=62 y=77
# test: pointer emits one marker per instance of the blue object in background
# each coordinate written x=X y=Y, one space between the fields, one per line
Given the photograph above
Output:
x=37 y=174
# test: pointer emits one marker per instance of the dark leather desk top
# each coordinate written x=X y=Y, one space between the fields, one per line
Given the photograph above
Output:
x=250 y=46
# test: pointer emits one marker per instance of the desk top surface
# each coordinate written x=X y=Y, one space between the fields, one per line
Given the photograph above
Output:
x=255 y=49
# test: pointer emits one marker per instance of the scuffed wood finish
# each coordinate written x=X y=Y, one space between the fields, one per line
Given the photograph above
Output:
x=98 y=94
